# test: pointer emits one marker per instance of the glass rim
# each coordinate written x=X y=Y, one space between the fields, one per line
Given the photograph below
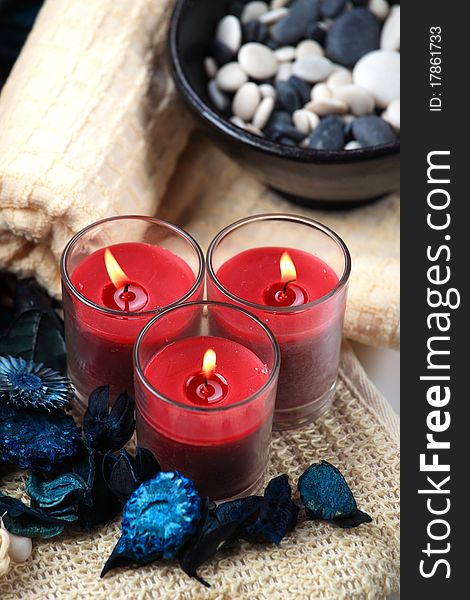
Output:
x=143 y=313
x=342 y=282
x=201 y=409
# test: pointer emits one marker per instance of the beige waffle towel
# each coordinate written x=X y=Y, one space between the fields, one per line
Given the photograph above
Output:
x=89 y=127
x=316 y=561
x=209 y=191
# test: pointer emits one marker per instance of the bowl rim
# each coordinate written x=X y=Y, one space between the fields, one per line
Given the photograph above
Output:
x=224 y=126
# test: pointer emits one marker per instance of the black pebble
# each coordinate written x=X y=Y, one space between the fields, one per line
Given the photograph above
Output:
x=330 y=9
x=280 y=125
x=254 y=31
x=273 y=44
x=372 y=131
x=352 y=35
x=236 y=8
x=287 y=96
x=286 y=141
x=317 y=32
x=302 y=88
x=291 y=29
x=249 y=31
x=221 y=53
x=358 y=3
x=328 y=135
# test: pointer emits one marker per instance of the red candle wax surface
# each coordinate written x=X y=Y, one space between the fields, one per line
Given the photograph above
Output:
x=221 y=445
x=99 y=344
x=309 y=339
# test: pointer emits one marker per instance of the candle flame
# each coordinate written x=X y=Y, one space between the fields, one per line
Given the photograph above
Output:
x=288 y=272
x=209 y=362
x=116 y=274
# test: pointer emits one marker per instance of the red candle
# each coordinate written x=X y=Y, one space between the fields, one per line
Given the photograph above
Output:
x=304 y=310
x=223 y=447
x=109 y=295
x=205 y=403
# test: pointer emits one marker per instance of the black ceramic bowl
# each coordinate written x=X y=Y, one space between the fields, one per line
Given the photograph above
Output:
x=343 y=177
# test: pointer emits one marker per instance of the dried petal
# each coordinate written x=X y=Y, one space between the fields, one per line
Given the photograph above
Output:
x=29 y=522
x=326 y=495
x=108 y=430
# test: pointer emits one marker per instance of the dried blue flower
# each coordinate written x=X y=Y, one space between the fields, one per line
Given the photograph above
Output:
x=39 y=441
x=326 y=496
x=25 y=384
x=31 y=522
x=108 y=429
x=158 y=519
x=124 y=473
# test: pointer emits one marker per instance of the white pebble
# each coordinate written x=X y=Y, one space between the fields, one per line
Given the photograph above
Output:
x=268 y=91
x=285 y=54
x=353 y=145
x=231 y=77
x=308 y=48
x=320 y=92
x=284 y=71
x=246 y=101
x=263 y=112
x=20 y=548
x=312 y=68
x=17 y=547
x=392 y=114
x=253 y=11
x=339 y=78
x=305 y=120
x=329 y=106
x=218 y=98
x=238 y=122
x=359 y=100
x=229 y=32
x=379 y=72
x=258 y=61
x=210 y=67
x=279 y=3
x=380 y=8
x=273 y=16
x=252 y=129
x=390 y=36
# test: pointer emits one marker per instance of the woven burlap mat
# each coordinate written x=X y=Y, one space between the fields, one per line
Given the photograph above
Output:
x=359 y=435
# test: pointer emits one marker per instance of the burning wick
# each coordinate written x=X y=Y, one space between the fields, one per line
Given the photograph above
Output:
x=285 y=292
x=122 y=293
x=207 y=387
x=288 y=272
x=208 y=366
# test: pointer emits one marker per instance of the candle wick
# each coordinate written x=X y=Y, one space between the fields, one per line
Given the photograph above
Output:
x=206 y=383
x=284 y=290
x=126 y=297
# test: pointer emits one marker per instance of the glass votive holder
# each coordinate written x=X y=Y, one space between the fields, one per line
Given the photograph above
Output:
x=116 y=275
x=292 y=273
x=205 y=403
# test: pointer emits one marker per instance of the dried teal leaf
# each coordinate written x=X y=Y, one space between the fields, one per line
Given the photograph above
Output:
x=30 y=385
x=34 y=336
x=24 y=520
x=35 y=440
x=65 y=489
x=326 y=495
x=158 y=519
